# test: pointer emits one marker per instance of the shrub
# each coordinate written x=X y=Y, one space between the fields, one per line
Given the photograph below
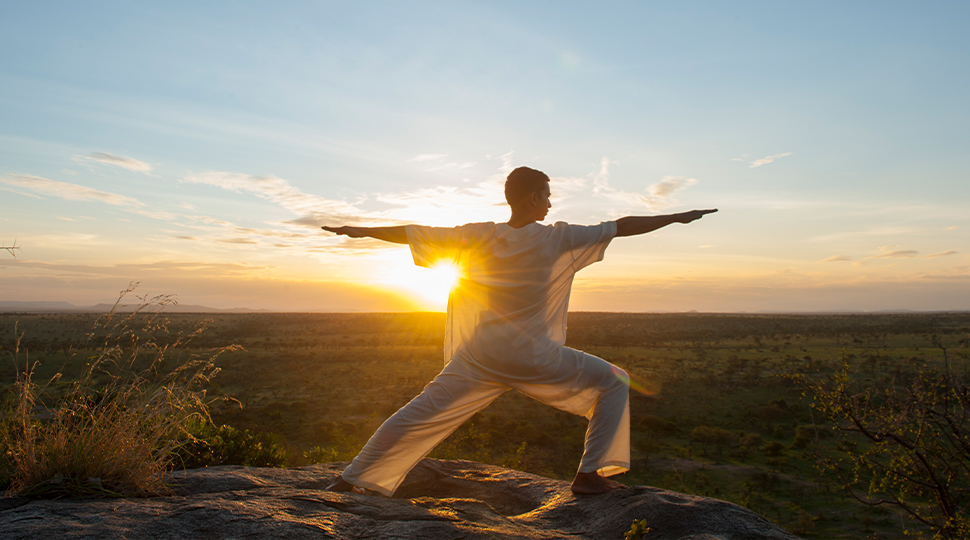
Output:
x=915 y=451
x=774 y=448
x=112 y=431
x=637 y=530
x=208 y=445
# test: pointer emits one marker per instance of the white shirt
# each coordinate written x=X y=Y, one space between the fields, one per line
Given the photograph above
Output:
x=508 y=313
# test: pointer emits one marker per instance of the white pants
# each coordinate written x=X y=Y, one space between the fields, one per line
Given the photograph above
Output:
x=579 y=383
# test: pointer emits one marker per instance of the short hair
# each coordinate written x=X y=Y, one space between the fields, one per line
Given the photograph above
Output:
x=523 y=182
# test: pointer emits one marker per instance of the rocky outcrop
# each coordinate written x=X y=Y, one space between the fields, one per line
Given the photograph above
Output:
x=439 y=500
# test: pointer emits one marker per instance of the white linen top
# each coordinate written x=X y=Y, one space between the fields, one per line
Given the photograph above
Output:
x=508 y=313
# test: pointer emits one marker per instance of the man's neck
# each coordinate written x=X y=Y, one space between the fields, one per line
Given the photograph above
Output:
x=517 y=221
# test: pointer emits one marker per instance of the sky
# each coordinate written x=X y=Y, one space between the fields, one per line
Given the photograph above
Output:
x=197 y=147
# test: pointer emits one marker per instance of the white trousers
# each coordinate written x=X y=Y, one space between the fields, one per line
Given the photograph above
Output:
x=579 y=383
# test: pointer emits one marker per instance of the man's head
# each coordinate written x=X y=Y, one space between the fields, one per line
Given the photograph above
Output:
x=528 y=188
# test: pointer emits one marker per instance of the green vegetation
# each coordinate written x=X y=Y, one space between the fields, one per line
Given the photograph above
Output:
x=638 y=530
x=914 y=452
x=206 y=444
x=721 y=412
x=106 y=424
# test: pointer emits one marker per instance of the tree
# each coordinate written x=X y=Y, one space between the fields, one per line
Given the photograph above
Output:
x=903 y=443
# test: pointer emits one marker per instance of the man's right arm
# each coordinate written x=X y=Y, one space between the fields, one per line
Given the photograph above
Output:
x=396 y=234
x=634 y=225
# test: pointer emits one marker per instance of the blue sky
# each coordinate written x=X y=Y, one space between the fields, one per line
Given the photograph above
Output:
x=198 y=147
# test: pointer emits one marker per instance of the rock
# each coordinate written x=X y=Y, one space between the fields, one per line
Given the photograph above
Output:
x=438 y=500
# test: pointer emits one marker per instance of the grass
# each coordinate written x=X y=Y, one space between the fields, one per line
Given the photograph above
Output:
x=111 y=429
x=322 y=383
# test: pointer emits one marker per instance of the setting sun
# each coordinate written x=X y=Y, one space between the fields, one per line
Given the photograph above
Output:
x=428 y=286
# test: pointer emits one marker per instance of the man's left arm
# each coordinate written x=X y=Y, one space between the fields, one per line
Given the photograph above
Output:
x=634 y=225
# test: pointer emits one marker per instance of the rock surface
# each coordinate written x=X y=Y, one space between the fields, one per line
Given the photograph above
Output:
x=439 y=500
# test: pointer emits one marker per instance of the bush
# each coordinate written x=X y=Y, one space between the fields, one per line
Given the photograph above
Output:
x=637 y=530
x=210 y=445
x=112 y=431
x=915 y=434
x=774 y=448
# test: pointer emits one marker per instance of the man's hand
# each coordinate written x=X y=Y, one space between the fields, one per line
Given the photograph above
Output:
x=687 y=217
x=346 y=230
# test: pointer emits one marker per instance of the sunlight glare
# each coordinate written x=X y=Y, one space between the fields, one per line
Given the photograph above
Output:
x=429 y=286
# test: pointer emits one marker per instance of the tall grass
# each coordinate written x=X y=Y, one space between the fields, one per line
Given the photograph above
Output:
x=112 y=430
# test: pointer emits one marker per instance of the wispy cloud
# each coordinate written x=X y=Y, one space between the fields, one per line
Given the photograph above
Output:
x=763 y=161
x=885 y=231
x=657 y=196
x=941 y=254
x=124 y=162
x=236 y=241
x=836 y=258
x=127 y=269
x=313 y=209
x=953 y=228
x=442 y=205
x=889 y=252
x=65 y=190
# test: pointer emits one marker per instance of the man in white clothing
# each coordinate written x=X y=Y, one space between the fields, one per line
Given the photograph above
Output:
x=506 y=328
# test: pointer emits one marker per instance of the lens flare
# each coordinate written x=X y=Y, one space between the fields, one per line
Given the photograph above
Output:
x=638 y=384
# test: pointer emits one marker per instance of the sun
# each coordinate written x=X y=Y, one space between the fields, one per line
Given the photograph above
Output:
x=438 y=281
x=429 y=287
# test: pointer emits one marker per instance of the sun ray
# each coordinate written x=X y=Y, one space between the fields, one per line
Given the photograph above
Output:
x=429 y=287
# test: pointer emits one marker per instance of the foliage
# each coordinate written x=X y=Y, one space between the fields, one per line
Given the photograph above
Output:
x=713 y=370
x=207 y=445
x=637 y=531
x=111 y=430
x=720 y=438
x=904 y=443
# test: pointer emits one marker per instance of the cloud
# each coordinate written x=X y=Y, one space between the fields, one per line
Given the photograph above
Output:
x=315 y=210
x=896 y=254
x=65 y=190
x=763 y=161
x=953 y=228
x=941 y=254
x=126 y=270
x=658 y=196
x=836 y=258
x=120 y=161
x=669 y=185
x=444 y=205
x=886 y=231
x=236 y=241
x=154 y=214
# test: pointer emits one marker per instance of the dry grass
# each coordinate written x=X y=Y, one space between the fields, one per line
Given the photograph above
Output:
x=111 y=431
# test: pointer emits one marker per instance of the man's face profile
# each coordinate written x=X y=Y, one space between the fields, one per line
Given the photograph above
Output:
x=542 y=203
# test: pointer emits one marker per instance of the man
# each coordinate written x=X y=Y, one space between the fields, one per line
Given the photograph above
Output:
x=506 y=328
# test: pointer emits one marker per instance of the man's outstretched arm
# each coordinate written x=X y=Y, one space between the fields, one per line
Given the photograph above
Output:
x=633 y=225
x=387 y=234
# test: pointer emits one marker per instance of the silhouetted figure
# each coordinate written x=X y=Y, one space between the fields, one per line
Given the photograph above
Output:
x=506 y=328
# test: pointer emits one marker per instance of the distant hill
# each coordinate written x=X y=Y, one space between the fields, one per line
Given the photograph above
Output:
x=8 y=306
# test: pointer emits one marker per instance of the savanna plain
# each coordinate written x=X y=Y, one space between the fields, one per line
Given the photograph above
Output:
x=719 y=402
